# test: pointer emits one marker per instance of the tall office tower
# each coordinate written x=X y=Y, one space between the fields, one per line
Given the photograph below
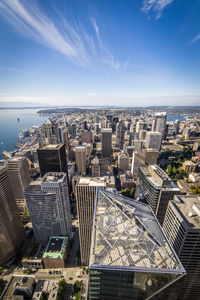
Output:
x=96 y=119
x=160 y=122
x=109 y=118
x=138 y=145
x=132 y=138
x=96 y=171
x=19 y=177
x=66 y=139
x=85 y=196
x=11 y=230
x=139 y=126
x=142 y=135
x=61 y=135
x=115 y=121
x=96 y=128
x=73 y=130
x=80 y=158
x=151 y=156
x=52 y=158
x=182 y=228
x=49 y=206
x=86 y=137
x=48 y=133
x=130 y=256
x=153 y=140
x=120 y=135
x=123 y=161
x=176 y=126
x=155 y=186
x=106 y=142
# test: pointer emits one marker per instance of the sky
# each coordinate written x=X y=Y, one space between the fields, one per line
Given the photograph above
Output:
x=100 y=52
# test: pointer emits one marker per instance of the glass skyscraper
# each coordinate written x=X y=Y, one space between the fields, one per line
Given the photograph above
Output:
x=130 y=256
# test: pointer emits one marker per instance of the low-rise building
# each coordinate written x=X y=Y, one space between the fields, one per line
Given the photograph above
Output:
x=19 y=287
x=56 y=252
x=188 y=166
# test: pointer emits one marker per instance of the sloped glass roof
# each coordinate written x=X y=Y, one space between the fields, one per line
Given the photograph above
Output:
x=126 y=234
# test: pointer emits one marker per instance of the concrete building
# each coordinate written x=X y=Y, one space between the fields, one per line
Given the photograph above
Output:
x=96 y=171
x=188 y=166
x=48 y=133
x=85 y=196
x=72 y=131
x=153 y=140
x=182 y=228
x=120 y=131
x=132 y=138
x=139 y=126
x=19 y=288
x=19 y=177
x=123 y=161
x=86 y=136
x=80 y=158
x=52 y=158
x=160 y=122
x=156 y=188
x=142 y=135
x=130 y=256
x=106 y=142
x=49 y=206
x=56 y=252
x=11 y=230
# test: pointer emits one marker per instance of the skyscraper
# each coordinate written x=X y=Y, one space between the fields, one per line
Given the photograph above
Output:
x=48 y=133
x=49 y=206
x=160 y=122
x=155 y=186
x=19 y=177
x=52 y=158
x=130 y=256
x=153 y=140
x=120 y=135
x=182 y=227
x=11 y=230
x=106 y=142
x=85 y=196
x=96 y=170
x=80 y=158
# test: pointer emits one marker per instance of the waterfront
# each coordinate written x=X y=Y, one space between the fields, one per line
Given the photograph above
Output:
x=10 y=127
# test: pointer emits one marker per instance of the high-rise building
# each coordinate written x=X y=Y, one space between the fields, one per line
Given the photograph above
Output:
x=85 y=196
x=123 y=161
x=160 y=122
x=139 y=126
x=132 y=138
x=73 y=130
x=153 y=140
x=130 y=256
x=48 y=133
x=182 y=228
x=86 y=136
x=80 y=158
x=106 y=142
x=52 y=158
x=19 y=177
x=142 y=135
x=49 y=206
x=96 y=170
x=11 y=230
x=155 y=186
x=120 y=135
x=66 y=139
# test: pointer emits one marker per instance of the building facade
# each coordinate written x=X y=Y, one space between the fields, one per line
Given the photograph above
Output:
x=153 y=140
x=80 y=158
x=130 y=257
x=49 y=206
x=11 y=229
x=106 y=142
x=182 y=228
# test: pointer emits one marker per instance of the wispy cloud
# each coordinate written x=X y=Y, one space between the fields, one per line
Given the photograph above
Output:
x=157 y=6
x=56 y=32
x=195 y=39
x=12 y=69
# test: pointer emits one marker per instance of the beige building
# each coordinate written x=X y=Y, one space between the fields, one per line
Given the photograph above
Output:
x=19 y=177
x=95 y=167
x=85 y=198
x=123 y=161
x=11 y=229
x=80 y=158
x=188 y=166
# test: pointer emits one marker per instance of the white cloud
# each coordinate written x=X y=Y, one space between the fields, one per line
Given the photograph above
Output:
x=196 y=39
x=157 y=6
x=72 y=40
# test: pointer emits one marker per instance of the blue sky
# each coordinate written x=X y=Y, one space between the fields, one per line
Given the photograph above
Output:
x=100 y=52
